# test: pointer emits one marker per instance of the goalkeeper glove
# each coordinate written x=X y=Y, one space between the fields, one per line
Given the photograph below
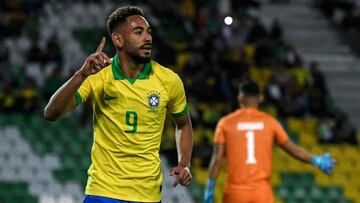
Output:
x=209 y=191
x=324 y=162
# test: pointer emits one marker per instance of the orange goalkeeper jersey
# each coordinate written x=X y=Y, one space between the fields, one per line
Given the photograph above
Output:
x=248 y=135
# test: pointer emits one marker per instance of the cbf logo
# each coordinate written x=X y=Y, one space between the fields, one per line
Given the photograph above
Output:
x=153 y=99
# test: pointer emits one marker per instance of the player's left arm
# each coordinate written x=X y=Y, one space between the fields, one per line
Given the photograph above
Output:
x=324 y=162
x=184 y=143
x=296 y=151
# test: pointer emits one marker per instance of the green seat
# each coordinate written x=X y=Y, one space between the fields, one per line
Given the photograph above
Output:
x=81 y=176
x=3 y=189
x=288 y=178
x=84 y=163
x=64 y=174
x=66 y=136
x=301 y=179
x=69 y=162
x=84 y=136
x=39 y=147
x=333 y=192
x=325 y=200
x=3 y=119
x=16 y=119
x=36 y=121
x=31 y=199
x=21 y=199
x=15 y=193
x=75 y=149
x=88 y=38
x=19 y=189
x=342 y=200
x=29 y=134
x=308 y=201
x=46 y=135
x=300 y=193
x=306 y=179
x=57 y=148
x=346 y=201
x=284 y=191
x=315 y=193
x=292 y=200
x=9 y=199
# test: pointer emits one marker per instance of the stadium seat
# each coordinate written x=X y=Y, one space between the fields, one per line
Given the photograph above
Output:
x=15 y=193
x=300 y=179
x=64 y=174
x=333 y=192
x=283 y=192
x=3 y=120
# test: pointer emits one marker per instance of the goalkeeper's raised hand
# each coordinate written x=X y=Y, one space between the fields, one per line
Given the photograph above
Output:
x=324 y=162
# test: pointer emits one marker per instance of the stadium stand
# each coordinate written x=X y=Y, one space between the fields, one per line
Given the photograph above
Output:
x=42 y=42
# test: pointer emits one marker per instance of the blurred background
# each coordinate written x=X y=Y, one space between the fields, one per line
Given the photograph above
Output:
x=303 y=53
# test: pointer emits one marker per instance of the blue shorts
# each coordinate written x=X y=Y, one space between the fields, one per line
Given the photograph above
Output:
x=99 y=199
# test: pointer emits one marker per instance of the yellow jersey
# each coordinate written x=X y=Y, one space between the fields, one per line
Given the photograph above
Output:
x=128 y=118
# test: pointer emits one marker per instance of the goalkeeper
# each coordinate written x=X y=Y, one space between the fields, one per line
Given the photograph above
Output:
x=246 y=138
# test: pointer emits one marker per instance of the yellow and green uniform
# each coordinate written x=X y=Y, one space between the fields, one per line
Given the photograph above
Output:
x=129 y=116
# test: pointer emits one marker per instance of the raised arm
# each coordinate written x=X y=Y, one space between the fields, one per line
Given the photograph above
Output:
x=63 y=100
x=184 y=147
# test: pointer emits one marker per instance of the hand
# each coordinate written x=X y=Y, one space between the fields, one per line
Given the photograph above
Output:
x=96 y=61
x=324 y=162
x=183 y=175
x=209 y=191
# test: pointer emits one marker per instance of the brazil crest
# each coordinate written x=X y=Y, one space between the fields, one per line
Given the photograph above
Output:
x=153 y=100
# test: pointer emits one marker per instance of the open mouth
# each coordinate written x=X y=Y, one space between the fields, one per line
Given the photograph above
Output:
x=146 y=47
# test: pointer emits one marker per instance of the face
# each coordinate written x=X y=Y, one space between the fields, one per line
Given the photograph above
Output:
x=136 y=39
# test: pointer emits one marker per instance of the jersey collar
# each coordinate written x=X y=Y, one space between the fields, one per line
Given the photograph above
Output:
x=119 y=75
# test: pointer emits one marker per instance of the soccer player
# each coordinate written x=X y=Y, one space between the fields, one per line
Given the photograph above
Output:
x=246 y=137
x=130 y=96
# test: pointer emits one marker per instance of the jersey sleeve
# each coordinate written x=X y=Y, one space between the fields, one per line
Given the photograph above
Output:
x=280 y=134
x=177 y=100
x=219 y=137
x=84 y=92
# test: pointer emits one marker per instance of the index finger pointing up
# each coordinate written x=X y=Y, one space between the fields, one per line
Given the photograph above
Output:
x=101 y=45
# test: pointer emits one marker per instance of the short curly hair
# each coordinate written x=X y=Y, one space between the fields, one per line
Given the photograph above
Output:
x=119 y=16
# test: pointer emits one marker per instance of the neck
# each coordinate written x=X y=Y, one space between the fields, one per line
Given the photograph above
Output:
x=249 y=102
x=248 y=106
x=129 y=67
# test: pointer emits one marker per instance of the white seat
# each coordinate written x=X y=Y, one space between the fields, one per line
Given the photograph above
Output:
x=53 y=189
x=66 y=199
x=72 y=188
x=51 y=162
x=25 y=174
x=47 y=199
x=33 y=162
x=8 y=174
x=23 y=149
x=4 y=147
